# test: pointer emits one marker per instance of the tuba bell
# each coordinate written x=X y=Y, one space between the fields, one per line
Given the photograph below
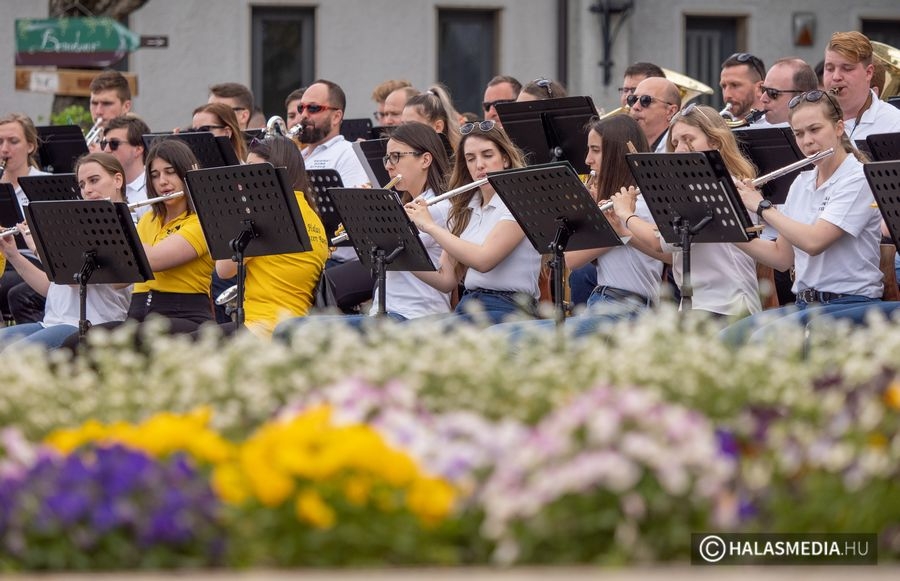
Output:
x=689 y=88
x=889 y=57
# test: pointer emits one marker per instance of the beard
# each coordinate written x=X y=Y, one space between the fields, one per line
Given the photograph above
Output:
x=313 y=133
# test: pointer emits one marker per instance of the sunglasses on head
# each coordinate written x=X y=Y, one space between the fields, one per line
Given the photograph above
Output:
x=690 y=109
x=812 y=97
x=546 y=85
x=482 y=126
x=113 y=144
x=746 y=57
x=314 y=108
x=488 y=104
x=644 y=100
x=775 y=93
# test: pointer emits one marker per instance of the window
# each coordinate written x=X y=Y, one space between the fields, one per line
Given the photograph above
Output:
x=886 y=31
x=282 y=59
x=708 y=42
x=467 y=54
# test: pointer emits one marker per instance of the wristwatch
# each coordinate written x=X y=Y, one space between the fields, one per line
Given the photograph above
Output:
x=764 y=205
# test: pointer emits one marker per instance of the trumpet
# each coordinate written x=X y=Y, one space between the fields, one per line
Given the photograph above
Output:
x=93 y=136
x=151 y=201
x=343 y=236
x=764 y=179
x=276 y=126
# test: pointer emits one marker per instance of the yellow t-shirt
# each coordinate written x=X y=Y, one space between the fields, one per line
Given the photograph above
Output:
x=282 y=285
x=192 y=277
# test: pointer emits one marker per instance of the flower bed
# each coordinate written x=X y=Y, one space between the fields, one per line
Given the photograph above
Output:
x=412 y=446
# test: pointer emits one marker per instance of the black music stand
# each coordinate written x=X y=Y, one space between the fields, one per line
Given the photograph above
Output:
x=210 y=150
x=382 y=234
x=88 y=242
x=353 y=129
x=321 y=180
x=251 y=134
x=59 y=147
x=10 y=212
x=693 y=199
x=884 y=179
x=772 y=148
x=50 y=188
x=884 y=146
x=241 y=204
x=557 y=214
x=550 y=130
x=371 y=155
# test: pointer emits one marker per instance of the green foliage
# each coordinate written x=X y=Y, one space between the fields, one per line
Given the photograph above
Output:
x=73 y=115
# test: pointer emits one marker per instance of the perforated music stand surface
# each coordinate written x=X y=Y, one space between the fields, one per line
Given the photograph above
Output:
x=50 y=188
x=371 y=154
x=226 y=197
x=10 y=213
x=374 y=218
x=769 y=149
x=321 y=180
x=59 y=147
x=536 y=127
x=691 y=186
x=210 y=150
x=884 y=179
x=884 y=146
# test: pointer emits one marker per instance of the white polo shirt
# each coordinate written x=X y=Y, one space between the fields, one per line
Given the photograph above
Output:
x=880 y=117
x=136 y=191
x=851 y=264
x=407 y=295
x=628 y=268
x=519 y=271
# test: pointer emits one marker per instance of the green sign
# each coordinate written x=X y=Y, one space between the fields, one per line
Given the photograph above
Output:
x=72 y=41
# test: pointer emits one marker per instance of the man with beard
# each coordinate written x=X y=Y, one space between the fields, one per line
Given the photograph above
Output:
x=741 y=81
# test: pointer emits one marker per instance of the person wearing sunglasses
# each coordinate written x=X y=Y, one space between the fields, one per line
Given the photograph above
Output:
x=483 y=245
x=123 y=139
x=500 y=89
x=722 y=276
x=634 y=74
x=653 y=104
x=541 y=89
x=827 y=230
x=238 y=98
x=741 y=80
x=220 y=120
x=848 y=76
x=786 y=78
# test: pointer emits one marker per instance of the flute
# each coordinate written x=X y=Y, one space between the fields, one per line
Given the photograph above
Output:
x=456 y=192
x=12 y=231
x=761 y=180
x=150 y=201
x=343 y=236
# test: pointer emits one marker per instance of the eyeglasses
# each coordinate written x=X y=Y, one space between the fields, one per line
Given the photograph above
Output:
x=812 y=97
x=112 y=143
x=689 y=110
x=546 y=85
x=394 y=157
x=644 y=100
x=314 y=108
x=488 y=104
x=207 y=127
x=482 y=126
x=775 y=93
x=746 y=57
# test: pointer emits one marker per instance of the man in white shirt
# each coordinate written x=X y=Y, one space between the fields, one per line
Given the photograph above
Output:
x=653 y=104
x=123 y=139
x=786 y=78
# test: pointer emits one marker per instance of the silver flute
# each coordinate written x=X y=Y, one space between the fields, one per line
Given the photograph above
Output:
x=764 y=179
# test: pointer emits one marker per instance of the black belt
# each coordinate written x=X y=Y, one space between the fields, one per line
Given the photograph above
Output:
x=488 y=291
x=620 y=294
x=811 y=295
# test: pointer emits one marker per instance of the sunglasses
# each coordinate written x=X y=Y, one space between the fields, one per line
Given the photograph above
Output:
x=488 y=104
x=746 y=57
x=207 y=127
x=546 y=85
x=812 y=97
x=690 y=109
x=644 y=100
x=113 y=144
x=314 y=108
x=775 y=93
x=482 y=126
x=394 y=157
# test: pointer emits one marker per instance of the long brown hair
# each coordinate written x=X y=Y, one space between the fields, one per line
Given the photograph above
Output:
x=177 y=153
x=229 y=119
x=282 y=152
x=615 y=133
x=423 y=139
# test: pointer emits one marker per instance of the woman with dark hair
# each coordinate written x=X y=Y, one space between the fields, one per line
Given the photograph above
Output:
x=220 y=120
x=100 y=177
x=281 y=285
x=483 y=245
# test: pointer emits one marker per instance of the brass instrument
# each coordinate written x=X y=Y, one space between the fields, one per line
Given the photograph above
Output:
x=93 y=136
x=726 y=112
x=689 y=88
x=276 y=126
x=752 y=117
x=617 y=111
x=889 y=57
x=2 y=166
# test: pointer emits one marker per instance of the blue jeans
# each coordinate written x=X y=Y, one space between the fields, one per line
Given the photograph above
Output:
x=581 y=283
x=768 y=323
x=35 y=334
x=492 y=307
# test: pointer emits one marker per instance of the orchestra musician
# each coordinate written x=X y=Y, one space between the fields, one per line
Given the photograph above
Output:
x=220 y=120
x=435 y=108
x=827 y=230
x=100 y=177
x=482 y=244
x=722 y=276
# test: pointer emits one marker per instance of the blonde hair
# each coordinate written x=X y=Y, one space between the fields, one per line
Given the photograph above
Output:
x=833 y=112
x=852 y=45
x=718 y=134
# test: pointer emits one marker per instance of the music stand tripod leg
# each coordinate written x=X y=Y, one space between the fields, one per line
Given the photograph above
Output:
x=557 y=263
x=380 y=260
x=687 y=233
x=239 y=245
x=82 y=278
